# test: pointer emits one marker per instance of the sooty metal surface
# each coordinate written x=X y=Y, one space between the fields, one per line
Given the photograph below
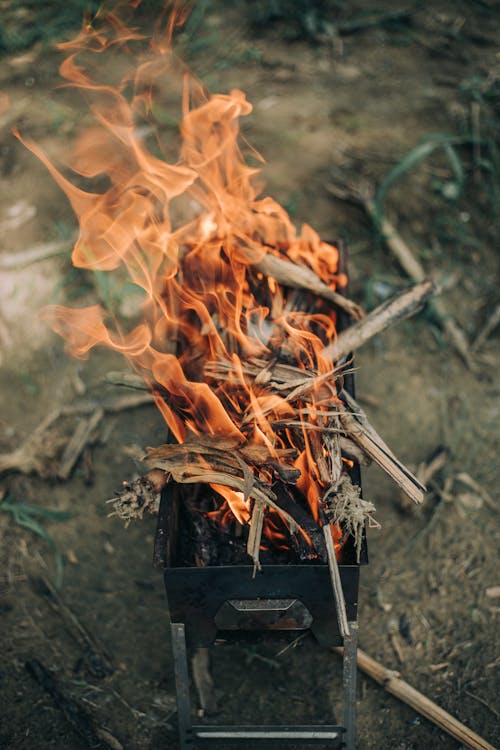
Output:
x=200 y=597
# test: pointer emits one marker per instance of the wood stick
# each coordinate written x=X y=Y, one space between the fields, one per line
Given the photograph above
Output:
x=74 y=713
x=23 y=258
x=426 y=471
x=392 y=682
x=488 y=327
x=202 y=678
x=338 y=592
x=77 y=443
x=97 y=661
x=255 y=535
x=304 y=519
x=398 y=307
x=351 y=450
x=127 y=379
x=363 y=196
x=360 y=430
x=300 y=277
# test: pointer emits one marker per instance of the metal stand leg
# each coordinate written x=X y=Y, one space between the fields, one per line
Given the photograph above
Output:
x=349 y=679
x=182 y=685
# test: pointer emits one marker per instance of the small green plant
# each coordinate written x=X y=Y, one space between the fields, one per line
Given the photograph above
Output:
x=450 y=189
x=25 y=22
x=28 y=517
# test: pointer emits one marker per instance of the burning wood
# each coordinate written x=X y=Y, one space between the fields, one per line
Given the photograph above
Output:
x=239 y=341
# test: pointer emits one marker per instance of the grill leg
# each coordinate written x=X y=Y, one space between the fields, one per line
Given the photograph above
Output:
x=349 y=679
x=182 y=685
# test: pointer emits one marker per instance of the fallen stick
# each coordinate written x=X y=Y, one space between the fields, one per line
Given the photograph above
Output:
x=39 y=450
x=299 y=277
x=363 y=196
x=74 y=713
x=96 y=660
x=392 y=682
x=127 y=379
x=78 y=442
x=426 y=471
x=488 y=327
x=338 y=592
x=23 y=258
x=398 y=307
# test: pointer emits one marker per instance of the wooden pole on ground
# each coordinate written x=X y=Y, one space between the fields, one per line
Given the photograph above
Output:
x=392 y=682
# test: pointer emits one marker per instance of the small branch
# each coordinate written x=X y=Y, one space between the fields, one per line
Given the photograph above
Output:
x=127 y=379
x=360 y=430
x=362 y=195
x=23 y=258
x=338 y=592
x=396 y=308
x=97 y=661
x=488 y=327
x=300 y=277
x=79 y=440
x=75 y=715
x=392 y=682
x=255 y=535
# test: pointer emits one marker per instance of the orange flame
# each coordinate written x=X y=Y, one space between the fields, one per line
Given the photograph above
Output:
x=189 y=233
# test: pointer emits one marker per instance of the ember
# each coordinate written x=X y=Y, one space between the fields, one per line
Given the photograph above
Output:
x=238 y=340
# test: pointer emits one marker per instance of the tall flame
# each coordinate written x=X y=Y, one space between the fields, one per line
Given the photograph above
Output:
x=189 y=233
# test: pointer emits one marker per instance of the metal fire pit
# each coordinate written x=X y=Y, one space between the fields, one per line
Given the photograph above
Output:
x=229 y=602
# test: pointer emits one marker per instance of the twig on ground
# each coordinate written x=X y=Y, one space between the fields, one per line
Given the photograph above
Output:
x=83 y=434
x=97 y=661
x=363 y=196
x=79 y=719
x=392 y=682
x=488 y=328
x=23 y=258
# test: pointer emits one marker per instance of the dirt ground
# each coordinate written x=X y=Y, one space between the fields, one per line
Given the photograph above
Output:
x=335 y=110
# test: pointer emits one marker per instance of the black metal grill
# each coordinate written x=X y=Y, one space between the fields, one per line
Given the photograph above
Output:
x=229 y=602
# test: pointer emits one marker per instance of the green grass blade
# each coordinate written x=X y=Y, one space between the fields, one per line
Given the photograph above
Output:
x=415 y=156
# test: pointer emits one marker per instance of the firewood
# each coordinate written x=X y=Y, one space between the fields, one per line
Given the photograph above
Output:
x=398 y=307
x=286 y=502
x=425 y=473
x=361 y=432
x=392 y=682
x=338 y=592
x=300 y=277
x=255 y=535
x=352 y=451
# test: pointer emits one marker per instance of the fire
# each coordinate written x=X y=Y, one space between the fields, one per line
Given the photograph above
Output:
x=189 y=233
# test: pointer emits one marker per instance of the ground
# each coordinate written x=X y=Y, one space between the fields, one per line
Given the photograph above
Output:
x=339 y=108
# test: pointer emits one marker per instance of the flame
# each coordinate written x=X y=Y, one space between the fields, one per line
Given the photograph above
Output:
x=188 y=232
